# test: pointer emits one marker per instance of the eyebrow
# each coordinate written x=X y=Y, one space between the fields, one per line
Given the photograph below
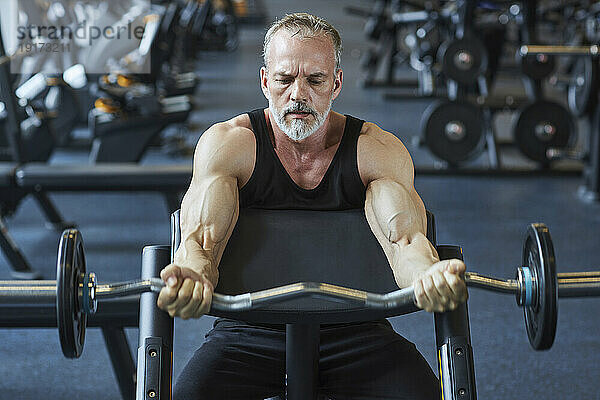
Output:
x=314 y=75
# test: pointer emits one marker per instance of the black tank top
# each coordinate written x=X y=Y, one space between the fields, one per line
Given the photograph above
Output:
x=271 y=187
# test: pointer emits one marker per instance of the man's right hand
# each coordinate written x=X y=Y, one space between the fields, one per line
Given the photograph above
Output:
x=187 y=294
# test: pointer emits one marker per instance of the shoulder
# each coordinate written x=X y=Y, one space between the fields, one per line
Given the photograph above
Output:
x=382 y=155
x=227 y=147
x=237 y=130
x=374 y=138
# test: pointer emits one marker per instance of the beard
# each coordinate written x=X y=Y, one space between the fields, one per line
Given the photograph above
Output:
x=298 y=129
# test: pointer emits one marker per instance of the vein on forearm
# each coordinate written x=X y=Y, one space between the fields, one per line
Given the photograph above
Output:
x=209 y=214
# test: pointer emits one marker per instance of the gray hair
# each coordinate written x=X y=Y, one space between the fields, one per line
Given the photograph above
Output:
x=305 y=25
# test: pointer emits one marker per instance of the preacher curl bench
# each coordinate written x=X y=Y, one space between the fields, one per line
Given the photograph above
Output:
x=273 y=248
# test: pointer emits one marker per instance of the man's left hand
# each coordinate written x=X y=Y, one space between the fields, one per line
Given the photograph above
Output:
x=442 y=287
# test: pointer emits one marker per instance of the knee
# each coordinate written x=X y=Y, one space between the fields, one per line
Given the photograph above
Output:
x=199 y=378
x=194 y=386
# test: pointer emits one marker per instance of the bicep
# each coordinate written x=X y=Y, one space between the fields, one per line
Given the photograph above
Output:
x=395 y=205
x=210 y=206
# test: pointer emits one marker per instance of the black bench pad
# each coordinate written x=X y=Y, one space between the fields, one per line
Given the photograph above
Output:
x=100 y=177
x=270 y=248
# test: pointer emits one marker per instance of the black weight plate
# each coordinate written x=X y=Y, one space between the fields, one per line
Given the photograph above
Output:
x=453 y=149
x=70 y=269
x=540 y=318
x=529 y=129
x=538 y=66
x=582 y=92
x=463 y=60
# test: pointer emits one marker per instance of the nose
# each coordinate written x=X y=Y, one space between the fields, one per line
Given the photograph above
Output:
x=299 y=92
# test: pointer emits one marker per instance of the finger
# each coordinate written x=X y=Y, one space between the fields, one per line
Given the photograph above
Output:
x=442 y=287
x=453 y=305
x=183 y=296
x=418 y=293
x=438 y=301
x=191 y=308
x=456 y=266
x=206 y=300
x=422 y=297
x=457 y=286
x=429 y=285
x=170 y=270
x=168 y=294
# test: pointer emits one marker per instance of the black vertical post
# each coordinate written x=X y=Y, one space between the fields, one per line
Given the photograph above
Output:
x=466 y=13
x=12 y=128
x=594 y=179
x=302 y=361
x=155 y=351
x=528 y=32
x=590 y=191
x=453 y=340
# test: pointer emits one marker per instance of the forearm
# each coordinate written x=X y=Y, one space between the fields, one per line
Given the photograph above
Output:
x=397 y=217
x=413 y=259
x=209 y=212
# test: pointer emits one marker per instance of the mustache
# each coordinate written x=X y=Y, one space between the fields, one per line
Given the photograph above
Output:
x=299 y=108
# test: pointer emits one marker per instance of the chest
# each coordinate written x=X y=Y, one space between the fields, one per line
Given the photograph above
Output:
x=307 y=170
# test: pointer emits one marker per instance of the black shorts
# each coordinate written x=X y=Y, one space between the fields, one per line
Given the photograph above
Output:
x=357 y=361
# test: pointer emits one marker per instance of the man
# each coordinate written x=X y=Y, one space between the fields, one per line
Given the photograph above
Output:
x=299 y=154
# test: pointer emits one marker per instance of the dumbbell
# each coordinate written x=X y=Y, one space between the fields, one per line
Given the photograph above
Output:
x=76 y=292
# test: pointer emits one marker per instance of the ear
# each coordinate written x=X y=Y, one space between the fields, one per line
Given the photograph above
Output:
x=264 y=82
x=337 y=85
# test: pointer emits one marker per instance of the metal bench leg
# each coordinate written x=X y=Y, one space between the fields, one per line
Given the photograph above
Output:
x=55 y=220
x=122 y=361
x=302 y=361
x=20 y=268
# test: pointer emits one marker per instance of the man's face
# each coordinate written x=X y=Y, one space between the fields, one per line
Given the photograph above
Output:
x=300 y=82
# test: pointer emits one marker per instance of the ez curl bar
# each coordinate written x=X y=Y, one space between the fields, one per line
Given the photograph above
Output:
x=76 y=293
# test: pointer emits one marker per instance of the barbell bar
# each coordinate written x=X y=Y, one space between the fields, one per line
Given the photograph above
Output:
x=570 y=284
x=529 y=49
x=76 y=293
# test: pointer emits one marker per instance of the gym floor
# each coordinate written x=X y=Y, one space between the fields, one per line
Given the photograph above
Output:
x=487 y=216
